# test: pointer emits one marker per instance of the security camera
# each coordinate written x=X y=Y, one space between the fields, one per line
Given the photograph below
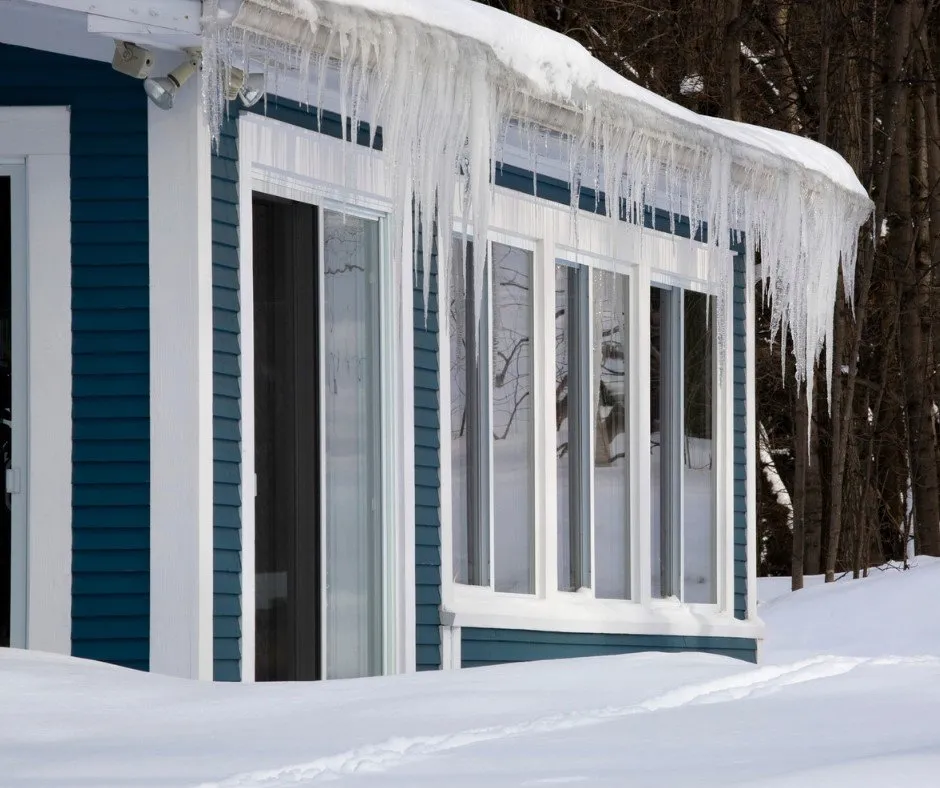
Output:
x=132 y=60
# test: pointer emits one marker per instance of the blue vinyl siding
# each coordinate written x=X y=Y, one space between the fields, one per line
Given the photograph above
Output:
x=427 y=472
x=739 y=331
x=226 y=410
x=497 y=646
x=110 y=344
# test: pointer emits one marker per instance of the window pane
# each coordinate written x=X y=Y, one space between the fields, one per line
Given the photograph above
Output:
x=468 y=413
x=513 y=424
x=459 y=428
x=665 y=395
x=567 y=580
x=611 y=437
x=352 y=385
x=700 y=551
x=572 y=427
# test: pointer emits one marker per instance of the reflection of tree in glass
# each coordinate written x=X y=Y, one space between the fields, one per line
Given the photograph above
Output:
x=512 y=327
x=457 y=317
x=698 y=377
x=610 y=357
x=346 y=245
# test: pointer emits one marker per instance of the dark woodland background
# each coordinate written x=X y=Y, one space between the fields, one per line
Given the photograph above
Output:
x=841 y=490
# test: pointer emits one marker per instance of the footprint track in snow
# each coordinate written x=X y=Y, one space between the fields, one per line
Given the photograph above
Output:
x=398 y=751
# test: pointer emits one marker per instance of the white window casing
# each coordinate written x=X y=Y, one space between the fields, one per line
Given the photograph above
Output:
x=290 y=162
x=647 y=258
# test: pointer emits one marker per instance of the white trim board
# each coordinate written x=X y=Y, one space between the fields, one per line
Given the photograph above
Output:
x=38 y=137
x=181 y=387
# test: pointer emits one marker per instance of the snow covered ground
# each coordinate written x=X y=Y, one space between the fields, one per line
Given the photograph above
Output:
x=848 y=693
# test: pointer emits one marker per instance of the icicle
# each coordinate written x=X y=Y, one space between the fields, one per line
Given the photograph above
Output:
x=447 y=104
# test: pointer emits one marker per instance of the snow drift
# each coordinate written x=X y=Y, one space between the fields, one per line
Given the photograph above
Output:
x=446 y=80
x=830 y=707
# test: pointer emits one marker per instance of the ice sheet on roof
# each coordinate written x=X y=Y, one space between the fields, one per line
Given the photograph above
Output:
x=445 y=79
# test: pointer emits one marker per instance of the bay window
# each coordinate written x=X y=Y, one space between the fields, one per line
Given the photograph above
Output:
x=544 y=352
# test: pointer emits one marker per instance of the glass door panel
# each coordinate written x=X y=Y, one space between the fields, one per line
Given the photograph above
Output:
x=351 y=400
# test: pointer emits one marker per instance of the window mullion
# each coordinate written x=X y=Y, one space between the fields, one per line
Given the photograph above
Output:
x=582 y=503
x=671 y=443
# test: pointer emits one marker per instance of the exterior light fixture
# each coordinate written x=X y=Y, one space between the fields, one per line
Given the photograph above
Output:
x=249 y=88
x=162 y=90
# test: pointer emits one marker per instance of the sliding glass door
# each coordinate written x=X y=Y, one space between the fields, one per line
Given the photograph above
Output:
x=352 y=489
x=318 y=522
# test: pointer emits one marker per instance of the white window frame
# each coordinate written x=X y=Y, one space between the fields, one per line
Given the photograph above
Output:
x=532 y=247
x=287 y=161
x=34 y=150
x=646 y=257
x=723 y=505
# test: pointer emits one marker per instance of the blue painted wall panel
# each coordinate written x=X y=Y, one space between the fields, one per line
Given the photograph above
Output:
x=497 y=646
x=427 y=471
x=110 y=344
x=226 y=409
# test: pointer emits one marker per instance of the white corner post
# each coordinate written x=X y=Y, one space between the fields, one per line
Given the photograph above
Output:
x=180 y=388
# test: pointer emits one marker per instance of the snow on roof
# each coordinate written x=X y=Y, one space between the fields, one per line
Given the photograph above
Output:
x=444 y=78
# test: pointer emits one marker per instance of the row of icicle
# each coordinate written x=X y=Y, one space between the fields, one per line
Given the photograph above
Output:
x=445 y=103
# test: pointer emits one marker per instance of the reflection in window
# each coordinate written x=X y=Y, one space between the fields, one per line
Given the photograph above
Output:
x=468 y=416
x=572 y=426
x=664 y=406
x=353 y=524
x=611 y=436
x=700 y=549
x=513 y=422
x=684 y=493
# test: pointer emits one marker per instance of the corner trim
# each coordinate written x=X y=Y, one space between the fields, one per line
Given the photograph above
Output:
x=181 y=472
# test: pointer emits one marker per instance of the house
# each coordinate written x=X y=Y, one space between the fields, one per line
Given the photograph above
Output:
x=378 y=337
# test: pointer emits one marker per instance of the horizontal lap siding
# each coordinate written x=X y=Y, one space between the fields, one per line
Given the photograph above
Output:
x=226 y=409
x=740 y=436
x=498 y=646
x=427 y=474
x=110 y=344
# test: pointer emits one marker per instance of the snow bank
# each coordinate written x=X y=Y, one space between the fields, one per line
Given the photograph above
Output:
x=889 y=612
x=445 y=80
x=643 y=720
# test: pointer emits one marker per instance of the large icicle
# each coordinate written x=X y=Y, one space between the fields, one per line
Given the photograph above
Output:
x=444 y=80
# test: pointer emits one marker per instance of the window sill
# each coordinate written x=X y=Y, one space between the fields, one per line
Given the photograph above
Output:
x=567 y=612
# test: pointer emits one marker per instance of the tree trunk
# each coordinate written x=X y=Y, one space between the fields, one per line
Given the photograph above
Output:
x=731 y=59
x=915 y=322
x=813 y=508
x=801 y=459
x=893 y=108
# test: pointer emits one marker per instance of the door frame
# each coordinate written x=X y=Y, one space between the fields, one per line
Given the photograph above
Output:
x=34 y=148
x=19 y=370
x=319 y=173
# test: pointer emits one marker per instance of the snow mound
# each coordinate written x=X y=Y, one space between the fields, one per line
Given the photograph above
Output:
x=887 y=613
x=662 y=719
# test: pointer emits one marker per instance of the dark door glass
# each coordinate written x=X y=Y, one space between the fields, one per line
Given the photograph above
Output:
x=6 y=256
x=287 y=508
